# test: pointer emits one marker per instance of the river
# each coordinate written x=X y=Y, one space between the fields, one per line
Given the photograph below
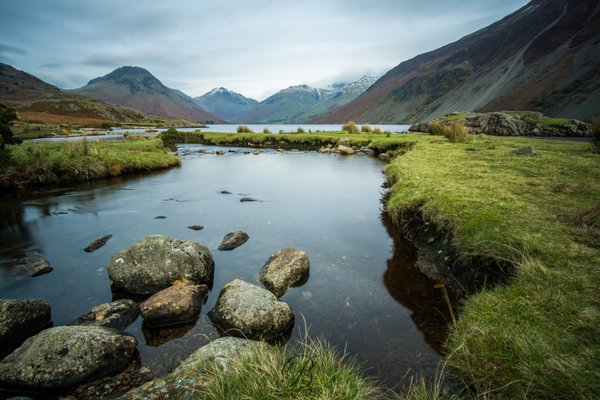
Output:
x=364 y=293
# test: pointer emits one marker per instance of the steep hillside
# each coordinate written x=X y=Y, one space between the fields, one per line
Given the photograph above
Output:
x=225 y=103
x=136 y=88
x=18 y=85
x=543 y=57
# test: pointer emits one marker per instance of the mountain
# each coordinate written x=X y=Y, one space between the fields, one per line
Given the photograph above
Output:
x=136 y=88
x=18 y=85
x=301 y=103
x=543 y=57
x=225 y=104
x=36 y=100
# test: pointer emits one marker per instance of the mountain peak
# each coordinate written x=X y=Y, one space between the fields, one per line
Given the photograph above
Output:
x=126 y=73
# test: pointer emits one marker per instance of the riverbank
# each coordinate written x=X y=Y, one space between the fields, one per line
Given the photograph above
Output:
x=484 y=207
x=42 y=163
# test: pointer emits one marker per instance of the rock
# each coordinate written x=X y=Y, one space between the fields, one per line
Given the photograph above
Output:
x=219 y=152
x=96 y=244
x=65 y=356
x=196 y=227
x=344 y=141
x=286 y=268
x=252 y=312
x=157 y=261
x=178 y=304
x=368 y=151
x=34 y=264
x=160 y=217
x=248 y=199
x=325 y=150
x=116 y=315
x=225 y=192
x=157 y=336
x=384 y=157
x=527 y=151
x=20 y=319
x=186 y=381
x=233 y=240
x=345 y=150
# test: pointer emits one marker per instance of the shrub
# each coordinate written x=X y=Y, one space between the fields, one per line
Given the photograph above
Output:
x=436 y=128
x=350 y=127
x=596 y=134
x=244 y=129
x=377 y=131
x=7 y=116
x=365 y=128
x=266 y=130
x=170 y=138
x=455 y=133
x=299 y=130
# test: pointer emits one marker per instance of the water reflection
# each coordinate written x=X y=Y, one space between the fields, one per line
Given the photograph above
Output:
x=407 y=285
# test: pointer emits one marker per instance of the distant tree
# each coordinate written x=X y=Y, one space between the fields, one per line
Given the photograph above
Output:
x=7 y=116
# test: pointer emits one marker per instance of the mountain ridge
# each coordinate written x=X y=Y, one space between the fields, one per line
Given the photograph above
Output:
x=539 y=58
x=136 y=88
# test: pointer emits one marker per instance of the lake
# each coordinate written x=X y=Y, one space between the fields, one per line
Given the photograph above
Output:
x=364 y=293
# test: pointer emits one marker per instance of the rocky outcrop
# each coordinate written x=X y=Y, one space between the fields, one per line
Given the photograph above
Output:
x=233 y=240
x=345 y=150
x=20 y=319
x=246 y=310
x=116 y=315
x=65 y=356
x=34 y=264
x=517 y=123
x=157 y=261
x=186 y=381
x=286 y=268
x=178 y=304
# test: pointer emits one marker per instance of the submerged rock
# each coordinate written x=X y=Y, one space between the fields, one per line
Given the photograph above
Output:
x=65 y=356
x=20 y=319
x=186 y=381
x=249 y=311
x=384 y=157
x=157 y=261
x=286 y=268
x=248 y=199
x=116 y=315
x=233 y=240
x=178 y=304
x=96 y=244
x=196 y=227
x=34 y=264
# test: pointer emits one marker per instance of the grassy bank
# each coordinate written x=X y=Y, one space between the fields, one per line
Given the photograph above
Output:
x=302 y=141
x=34 y=164
x=538 y=336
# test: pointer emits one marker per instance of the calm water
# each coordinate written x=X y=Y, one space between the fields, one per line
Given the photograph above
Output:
x=363 y=293
x=276 y=128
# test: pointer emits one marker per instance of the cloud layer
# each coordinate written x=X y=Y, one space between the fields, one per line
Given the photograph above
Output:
x=255 y=47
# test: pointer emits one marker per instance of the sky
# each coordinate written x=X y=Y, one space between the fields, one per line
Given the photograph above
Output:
x=254 y=47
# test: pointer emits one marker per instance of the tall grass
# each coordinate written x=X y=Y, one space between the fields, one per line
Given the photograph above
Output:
x=455 y=133
x=308 y=370
x=366 y=128
x=244 y=129
x=350 y=127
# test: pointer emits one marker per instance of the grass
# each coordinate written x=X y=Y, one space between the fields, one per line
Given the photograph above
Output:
x=243 y=129
x=538 y=336
x=350 y=127
x=309 y=370
x=596 y=134
x=39 y=163
x=455 y=132
x=303 y=141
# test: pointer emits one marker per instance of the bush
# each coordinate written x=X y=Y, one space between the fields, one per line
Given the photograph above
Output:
x=266 y=130
x=7 y=116
x=299 y=130
x=596 y=134
x=350 y=127
x=244 y=129
x=377 y=131
x=170 y=138
x=365 y=128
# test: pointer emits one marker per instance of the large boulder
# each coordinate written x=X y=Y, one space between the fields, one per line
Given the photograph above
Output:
x=20 y=319
x=178 y=304
x=34 y=264
x=67 y=355
x=233 y=240
x=249 y=311
x=186 y=381
x=116 y=315
x=157 y=261
x=287 y=267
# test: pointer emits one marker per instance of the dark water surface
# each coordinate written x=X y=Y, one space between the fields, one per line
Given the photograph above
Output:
x=364 y=293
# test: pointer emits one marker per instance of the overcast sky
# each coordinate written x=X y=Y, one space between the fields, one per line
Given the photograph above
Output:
x=255 y=47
